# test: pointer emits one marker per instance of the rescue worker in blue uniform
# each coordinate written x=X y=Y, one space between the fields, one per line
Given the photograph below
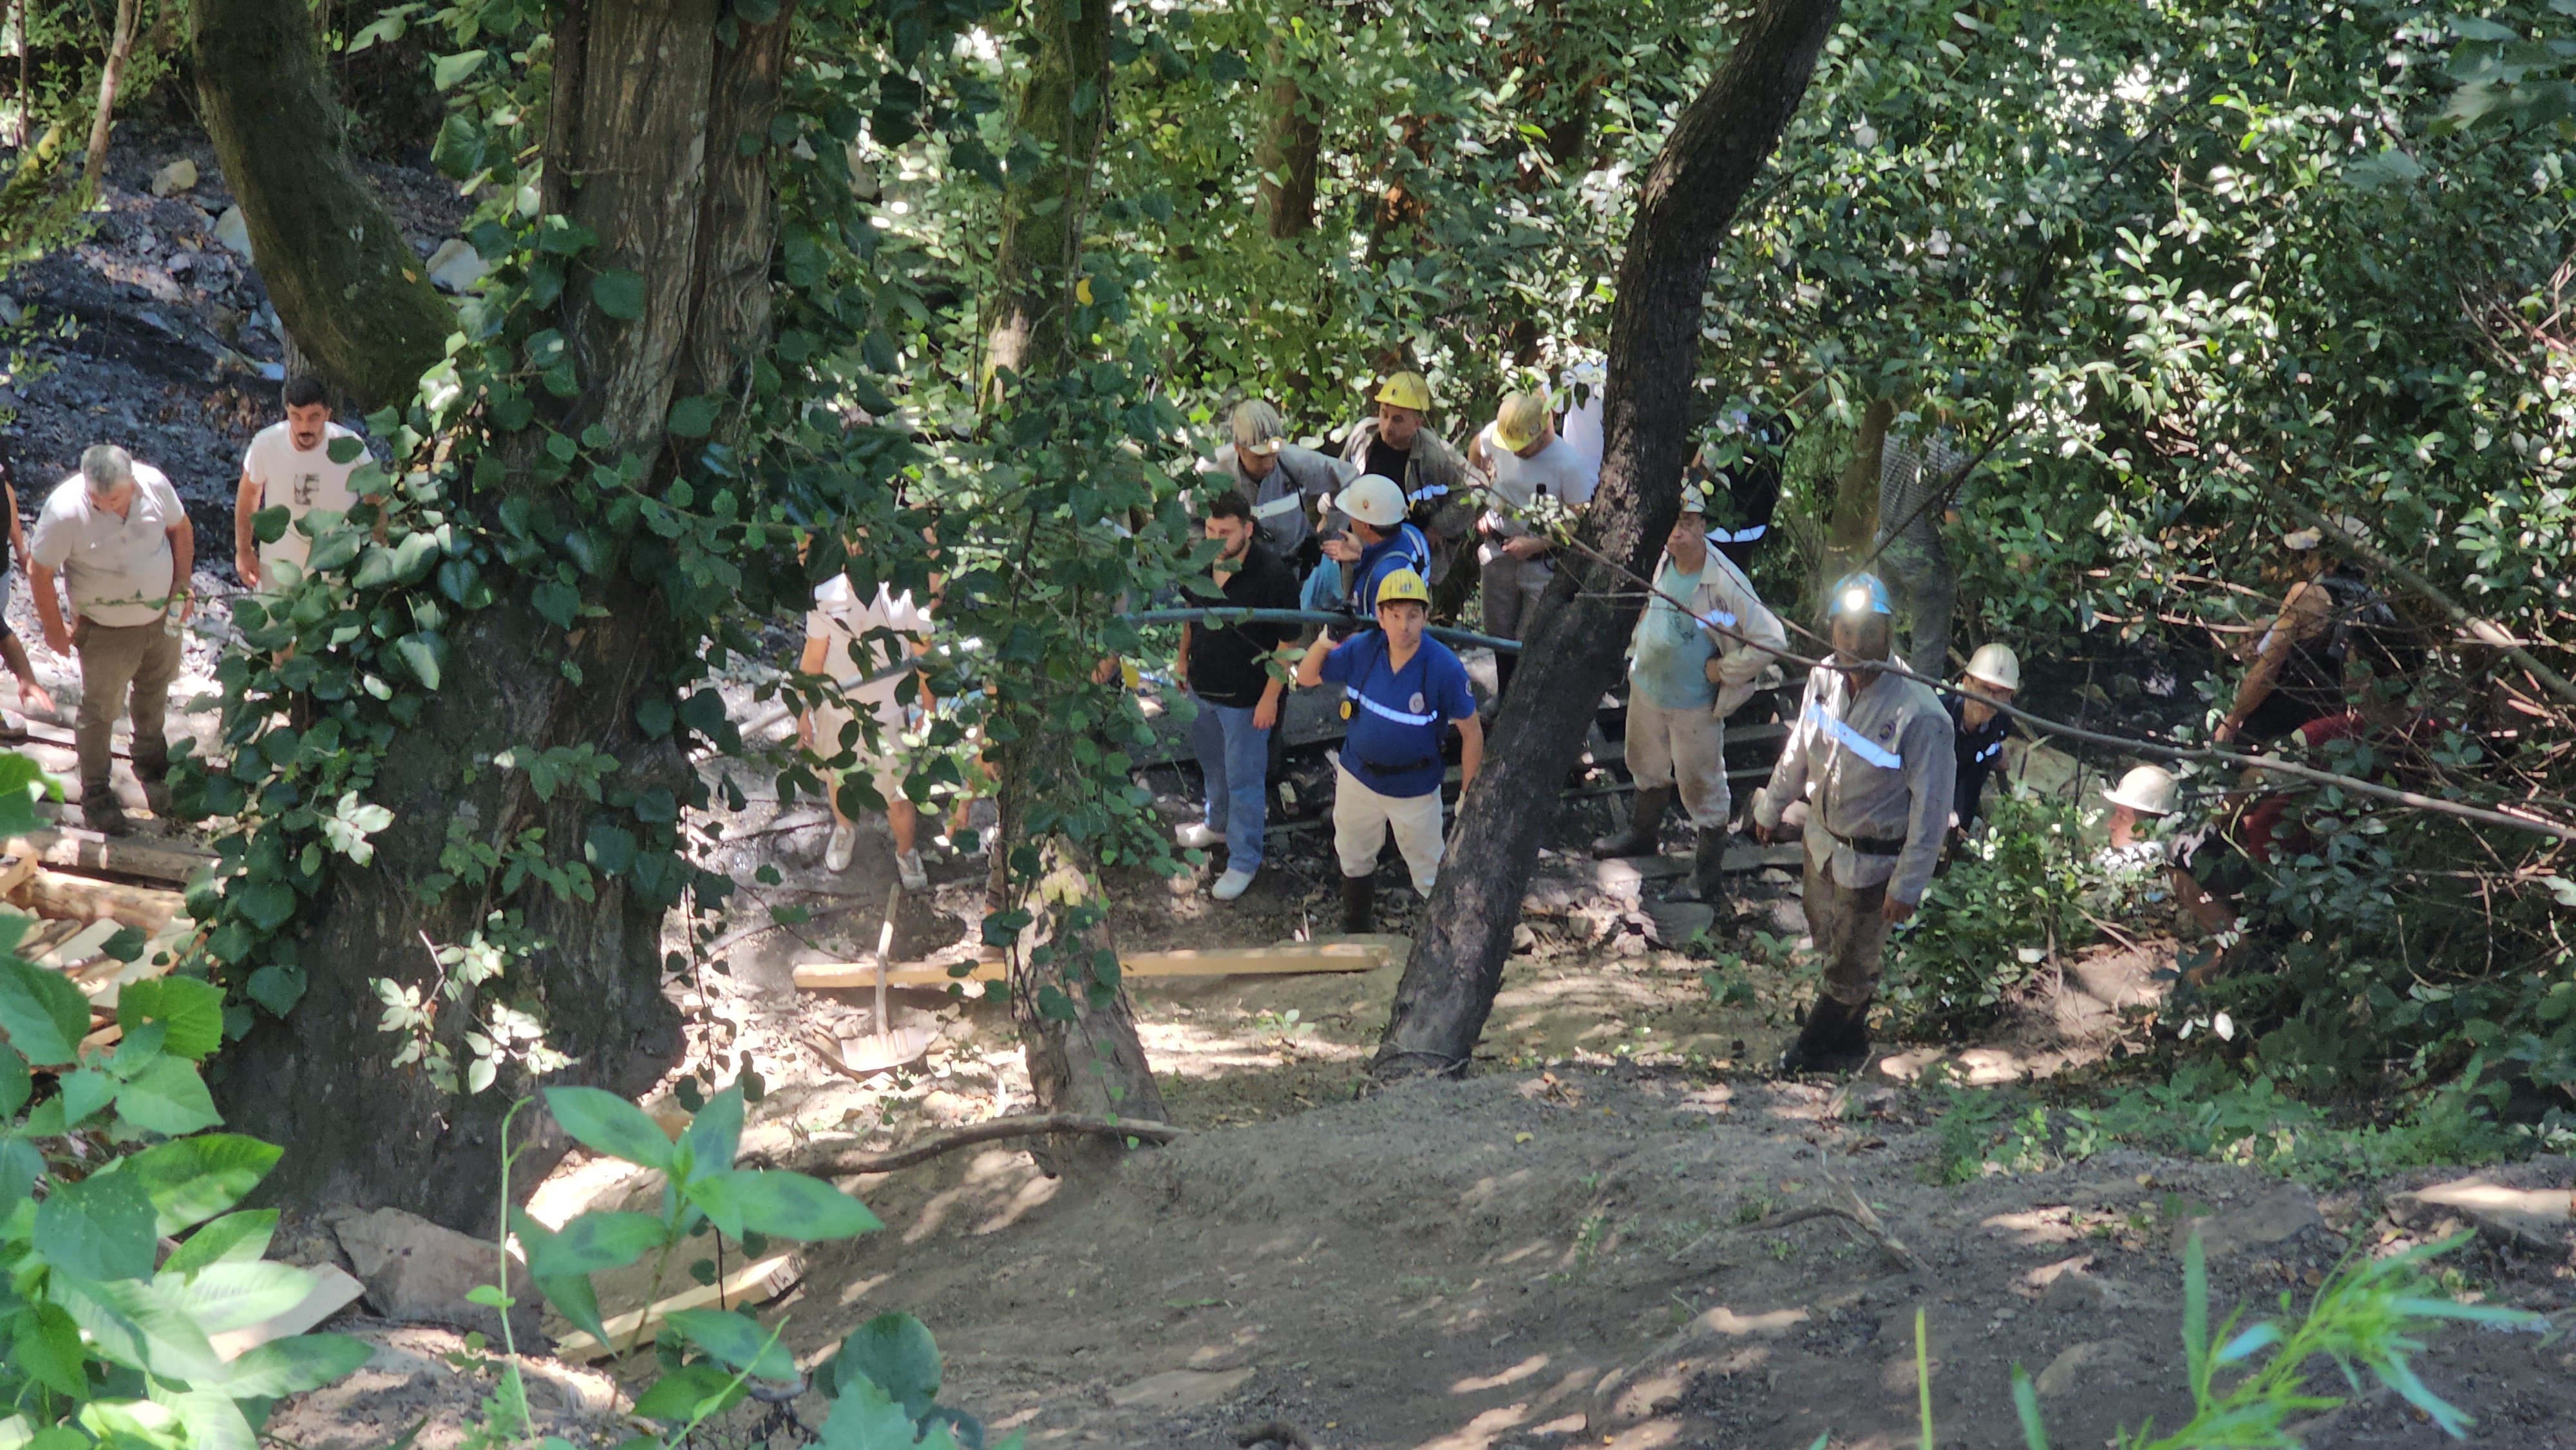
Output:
x=1978 y=728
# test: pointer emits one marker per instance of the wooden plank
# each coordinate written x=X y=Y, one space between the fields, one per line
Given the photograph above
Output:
x=14 y=872
x=333 y=1290
x=755 y=1284
x=1361 y=954
x=79 y=898
x=163 y=863
x=81 y=947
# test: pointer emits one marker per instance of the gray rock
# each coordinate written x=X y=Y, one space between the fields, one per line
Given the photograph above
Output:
x=2272 y=1217
x=2078 y=1364
x=233 y=231
x=418 y=1272
x=178 y=176
x=455 y=265
x=2529 y=1206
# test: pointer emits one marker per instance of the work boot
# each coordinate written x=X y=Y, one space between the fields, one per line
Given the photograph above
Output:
x=1359 y=905
x=1708 y=873
x=1645 y=826
x=1835 y=1040
x=102 y=812
x=156 y=794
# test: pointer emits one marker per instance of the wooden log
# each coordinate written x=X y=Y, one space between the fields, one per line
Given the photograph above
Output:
x=151 y=863
x=754 y=1284
x=79 y=898
x=80 y=947
x=1352 y=954
x=16 y=868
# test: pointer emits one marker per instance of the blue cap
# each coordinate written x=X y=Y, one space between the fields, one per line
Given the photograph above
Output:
x=1860 y=594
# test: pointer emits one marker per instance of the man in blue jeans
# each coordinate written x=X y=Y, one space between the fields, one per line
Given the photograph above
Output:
x=1227 y=669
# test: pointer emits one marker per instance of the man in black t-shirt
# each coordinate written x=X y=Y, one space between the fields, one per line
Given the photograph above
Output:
x=1227 y=670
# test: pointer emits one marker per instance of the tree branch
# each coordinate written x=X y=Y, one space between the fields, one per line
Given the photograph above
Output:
x=833 y=1160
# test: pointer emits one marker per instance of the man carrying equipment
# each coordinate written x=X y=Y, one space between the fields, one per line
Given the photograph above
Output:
x=1288 y=485
x=1429 y=475
x=1685 y=677
x=1521 y=452
x=1376 y=542
x=1870 y=757
x=1978 y=728
x=2301 y=664
x=1400 y=692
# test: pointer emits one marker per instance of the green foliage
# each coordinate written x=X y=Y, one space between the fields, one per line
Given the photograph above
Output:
x=2014 y=896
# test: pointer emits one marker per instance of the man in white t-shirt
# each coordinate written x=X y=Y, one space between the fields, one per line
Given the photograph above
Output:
x=1524 y=460
x=289 y=466
x=838 y=643
x=117 y=534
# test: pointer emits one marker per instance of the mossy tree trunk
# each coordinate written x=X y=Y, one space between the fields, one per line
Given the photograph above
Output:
x=1576 y=645
x=647 y=108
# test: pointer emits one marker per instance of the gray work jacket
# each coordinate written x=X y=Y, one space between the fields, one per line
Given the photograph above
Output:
x=1438 y=489
x=1876 y=769
x=1287 y=503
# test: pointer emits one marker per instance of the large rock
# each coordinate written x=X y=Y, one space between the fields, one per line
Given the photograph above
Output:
x=2095 y=1363
x=418 y=1272
x=234 y=232
x=2273 y=1217
x=455 y=266
x=178 y=176
x=2528 y=1205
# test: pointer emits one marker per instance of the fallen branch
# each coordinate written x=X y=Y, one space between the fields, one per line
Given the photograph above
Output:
x=1861 y=1213
x=834 y=1161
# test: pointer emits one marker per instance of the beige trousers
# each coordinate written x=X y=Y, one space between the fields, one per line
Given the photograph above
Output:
x=1684 y=749
x=1362 y=817
x=125 y=669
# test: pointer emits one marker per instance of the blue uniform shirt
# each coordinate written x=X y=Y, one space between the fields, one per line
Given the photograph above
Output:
x=1403 y=549
x=1398 y=717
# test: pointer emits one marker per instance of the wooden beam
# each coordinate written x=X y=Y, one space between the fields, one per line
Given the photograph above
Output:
x=159 y=863
x=333 y=1290
x=79 y=898
x=1349 y=954
x=755 y=1284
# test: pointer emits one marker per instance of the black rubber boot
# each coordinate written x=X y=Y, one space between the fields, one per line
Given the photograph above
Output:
x=1359 y=905
x=1836 y=1039
x=102 y=812
x=1645 y=826
x=1707 y=882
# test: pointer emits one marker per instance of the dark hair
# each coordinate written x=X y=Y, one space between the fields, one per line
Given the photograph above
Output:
x=1230 y=504
x=303 y=391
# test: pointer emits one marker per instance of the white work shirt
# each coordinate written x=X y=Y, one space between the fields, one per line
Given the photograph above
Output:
x=299 y=482
x=1877 y=768
x=1557 y=471
x=118 y=568
x=844 y=625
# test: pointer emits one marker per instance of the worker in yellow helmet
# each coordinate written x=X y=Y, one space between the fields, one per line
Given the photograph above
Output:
x=1524 y=460
x=1394 y=442
x=1401 y=693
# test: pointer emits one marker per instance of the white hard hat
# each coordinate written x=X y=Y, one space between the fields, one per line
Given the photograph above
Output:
x=1995 y=665
x=1373 y=499
x=2146 y=789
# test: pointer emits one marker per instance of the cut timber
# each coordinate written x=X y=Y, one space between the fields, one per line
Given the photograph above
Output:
x=20 y=865
x=333 y=1291
x=78 y=898
x=1348 y=954
x=83 y=945
x=756 y=1284
x=160 y=863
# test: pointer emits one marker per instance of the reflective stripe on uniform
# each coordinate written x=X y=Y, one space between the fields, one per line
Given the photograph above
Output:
x=1388 y=711
x=1428 y=490
x=1740 y=536
x=1861 y=745
x=1718 y=619
x=1990 y=752
x=1284 y=504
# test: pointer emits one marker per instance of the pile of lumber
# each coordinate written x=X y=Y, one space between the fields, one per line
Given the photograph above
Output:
x=85 y=891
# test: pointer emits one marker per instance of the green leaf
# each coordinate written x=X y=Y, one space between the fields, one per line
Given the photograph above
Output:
x=779 y=1203
x=276 y=988
x=234 y=1238
x=20 y=1166
x=451 y=70
x=98 y=1228
x=131 y=1322
x=426 y=654
x=560 y=603
x=714 y=1135
x=168 y=1097
x=45 y=1345
x=593 y=1242
x=693 y=417
x=190 y=1011
x=292 y=1366
x=866 y=1418
x=336 y=549
x=125 y=946
x=736 y=1340
x=575 y=1298
x=458 y=151
x=609 y=847
x=195 y=1178
x=619 y=293
x=266 y=904
x=220 y=1297
x=895 y=1353
x=44 y=1015
x=15 y=1081
x=607 y=1123
x=689 y=1393
x=85 y=1092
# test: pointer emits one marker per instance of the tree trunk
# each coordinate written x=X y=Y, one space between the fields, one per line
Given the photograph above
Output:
x=1576 y=644
x=120 y=48
x=1084 y=1056
x=344 y=281
x=1855 y=516
x=647 y=109
x=1292 y=142
x=1064 y=111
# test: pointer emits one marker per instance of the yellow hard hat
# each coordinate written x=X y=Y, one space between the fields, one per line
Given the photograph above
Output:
x=1400 y=585
x=1521 y=418
x=1407 y=390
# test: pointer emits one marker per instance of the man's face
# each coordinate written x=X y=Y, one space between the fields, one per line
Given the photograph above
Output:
x=304 y=425
x=1231 y=536
x=1396 y=426
x=1688 y=540
x=1256 y=466
x=1402 y=621
x=1982 y=698
x=1858 y=641
x=114 y=497
x=1546 y=435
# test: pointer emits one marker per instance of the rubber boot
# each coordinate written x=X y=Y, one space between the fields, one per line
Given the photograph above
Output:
x=1359 y=905
x=1708 y=873
x=1835 y=1039
x=1645 y=826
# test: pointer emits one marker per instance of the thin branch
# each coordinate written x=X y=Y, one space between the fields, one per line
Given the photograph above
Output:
x=835 y=1160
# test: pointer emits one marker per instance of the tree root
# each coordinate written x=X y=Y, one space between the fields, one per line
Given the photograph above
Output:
x=1278 y=1432
x=835 y=1160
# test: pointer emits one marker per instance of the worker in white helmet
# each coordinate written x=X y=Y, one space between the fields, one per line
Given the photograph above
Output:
x=1287 y=485
x=1870 y=756
x=1977 y=743
x=1373 y=541
x=1701 y=648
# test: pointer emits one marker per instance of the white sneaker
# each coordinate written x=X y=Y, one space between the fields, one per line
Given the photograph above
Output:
x=908 y=868
x=845 y=839
x=1230 y=885
x=1198 y=835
